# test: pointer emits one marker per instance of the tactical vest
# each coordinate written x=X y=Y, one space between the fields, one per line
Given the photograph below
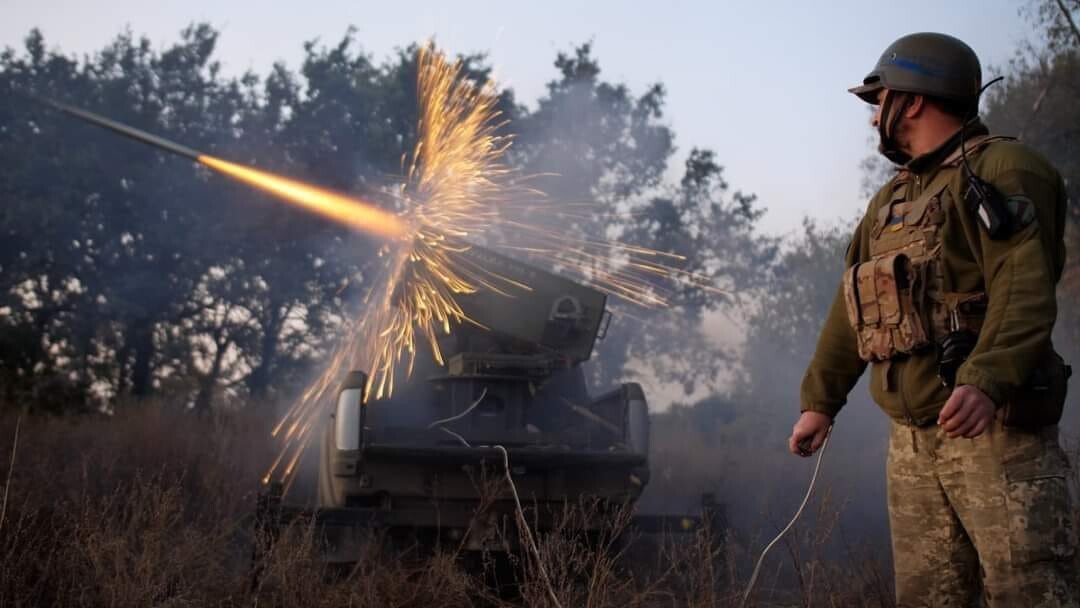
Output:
x=896 y=301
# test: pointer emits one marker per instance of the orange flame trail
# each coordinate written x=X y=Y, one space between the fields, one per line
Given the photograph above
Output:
x=457 y=190
x=351 y=212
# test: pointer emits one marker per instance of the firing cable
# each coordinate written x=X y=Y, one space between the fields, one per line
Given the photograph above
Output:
x=806 y=499
x=523 y=523
x=439 y=423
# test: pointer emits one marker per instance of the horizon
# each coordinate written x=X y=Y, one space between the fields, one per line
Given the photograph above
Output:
x=817 y=139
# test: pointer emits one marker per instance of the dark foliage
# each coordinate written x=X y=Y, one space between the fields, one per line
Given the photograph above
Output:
x=126 y=272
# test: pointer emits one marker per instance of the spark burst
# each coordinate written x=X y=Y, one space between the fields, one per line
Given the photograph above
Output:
x=458 y=190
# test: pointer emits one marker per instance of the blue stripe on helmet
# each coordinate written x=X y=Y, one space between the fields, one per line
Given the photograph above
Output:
x=918 y=68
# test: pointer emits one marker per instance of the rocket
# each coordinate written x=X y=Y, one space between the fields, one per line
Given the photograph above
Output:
x=131 y=132
x=354 y=213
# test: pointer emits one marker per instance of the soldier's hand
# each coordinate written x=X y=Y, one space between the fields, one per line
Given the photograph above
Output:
x=967 y=413
x=811 y=427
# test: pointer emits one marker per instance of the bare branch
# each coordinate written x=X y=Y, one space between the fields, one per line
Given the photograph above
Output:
x=1068 y=19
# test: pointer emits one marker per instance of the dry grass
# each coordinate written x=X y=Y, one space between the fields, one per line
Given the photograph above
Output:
x=153 y=507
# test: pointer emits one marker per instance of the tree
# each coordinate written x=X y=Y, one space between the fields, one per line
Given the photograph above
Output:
x=126 y=272
x=592 y=138
x=593 y=141
x=714 y=231
x=1037 y=103
x=119 y=243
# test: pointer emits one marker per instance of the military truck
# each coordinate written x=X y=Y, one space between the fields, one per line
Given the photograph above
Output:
x=430 y=461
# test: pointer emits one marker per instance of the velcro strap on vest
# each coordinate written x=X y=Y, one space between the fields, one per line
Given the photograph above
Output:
x=959 y=312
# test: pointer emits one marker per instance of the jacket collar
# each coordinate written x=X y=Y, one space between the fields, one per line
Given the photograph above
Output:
x=933 y=158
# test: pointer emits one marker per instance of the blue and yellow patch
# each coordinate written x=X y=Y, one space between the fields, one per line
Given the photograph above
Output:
x=896 y=216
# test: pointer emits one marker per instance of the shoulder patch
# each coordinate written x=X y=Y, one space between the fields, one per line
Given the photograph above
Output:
x=1022 y=211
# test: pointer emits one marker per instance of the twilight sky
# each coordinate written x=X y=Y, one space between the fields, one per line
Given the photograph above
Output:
x=762 y=83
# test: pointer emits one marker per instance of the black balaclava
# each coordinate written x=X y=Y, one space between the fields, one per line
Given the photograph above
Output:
x=887 y=124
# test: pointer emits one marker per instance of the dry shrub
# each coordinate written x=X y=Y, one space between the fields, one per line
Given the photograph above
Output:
x=141 y=509
x=154 y=507
x=292 y=574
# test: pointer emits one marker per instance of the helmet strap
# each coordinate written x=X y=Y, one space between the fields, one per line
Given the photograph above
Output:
x=893 y=107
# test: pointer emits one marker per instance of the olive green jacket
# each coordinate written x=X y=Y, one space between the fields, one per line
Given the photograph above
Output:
x=1019 y=275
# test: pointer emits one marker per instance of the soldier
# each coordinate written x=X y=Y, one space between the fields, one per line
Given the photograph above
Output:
x=949 y=295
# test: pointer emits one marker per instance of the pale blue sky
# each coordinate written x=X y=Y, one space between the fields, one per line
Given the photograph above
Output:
x=762 y=83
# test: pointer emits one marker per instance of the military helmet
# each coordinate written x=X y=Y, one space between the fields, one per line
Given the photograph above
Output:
x=931 y=64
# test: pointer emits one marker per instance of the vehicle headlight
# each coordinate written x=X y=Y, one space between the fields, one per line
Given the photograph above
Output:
x=347 y=419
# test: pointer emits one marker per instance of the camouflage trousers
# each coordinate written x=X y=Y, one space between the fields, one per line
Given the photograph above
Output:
x=984 y=521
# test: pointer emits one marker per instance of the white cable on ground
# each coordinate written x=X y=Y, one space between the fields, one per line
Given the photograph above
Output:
x=523 y=523
x=525 y=528
x=806 y=499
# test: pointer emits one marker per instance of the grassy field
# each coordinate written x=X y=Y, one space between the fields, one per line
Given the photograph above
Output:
x=154 y=507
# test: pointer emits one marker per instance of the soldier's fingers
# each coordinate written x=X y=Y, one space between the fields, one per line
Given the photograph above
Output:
x=950 y=407
x=960 y=417
x=801 y=442
x=965 y=428
x=793 y=445
x=978 y=429
x=819 y=439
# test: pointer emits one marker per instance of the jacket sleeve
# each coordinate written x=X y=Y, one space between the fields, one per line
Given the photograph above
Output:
x=1020 y=274
x=835 y=367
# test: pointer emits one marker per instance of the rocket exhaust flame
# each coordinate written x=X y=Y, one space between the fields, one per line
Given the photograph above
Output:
x=350 y=212
x=353 y=213
x=456 y=190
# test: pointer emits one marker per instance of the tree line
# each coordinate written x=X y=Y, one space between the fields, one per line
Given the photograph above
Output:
x=128 y=274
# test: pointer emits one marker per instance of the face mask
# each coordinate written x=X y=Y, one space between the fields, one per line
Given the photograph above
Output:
x=890 y=119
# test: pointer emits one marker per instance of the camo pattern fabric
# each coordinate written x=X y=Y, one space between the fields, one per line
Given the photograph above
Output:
x=982 y=522
x=883 y=314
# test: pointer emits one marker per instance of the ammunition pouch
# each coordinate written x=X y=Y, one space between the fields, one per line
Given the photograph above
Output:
x=885 y=300
x=1041 y=401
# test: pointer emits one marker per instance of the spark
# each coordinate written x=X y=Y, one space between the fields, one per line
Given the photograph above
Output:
x=456 y=191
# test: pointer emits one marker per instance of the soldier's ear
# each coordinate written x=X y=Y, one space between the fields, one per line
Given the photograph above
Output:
x=915 y=107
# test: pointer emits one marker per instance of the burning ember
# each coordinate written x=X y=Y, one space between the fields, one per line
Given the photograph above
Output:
x=457 y=190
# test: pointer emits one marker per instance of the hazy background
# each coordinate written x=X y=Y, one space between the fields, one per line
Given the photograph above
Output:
x=130 y=281
x=761 y=83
